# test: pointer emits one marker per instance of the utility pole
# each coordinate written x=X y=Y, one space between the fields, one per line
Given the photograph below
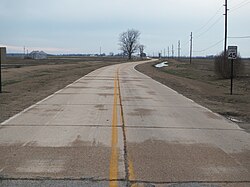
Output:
x=168 y=51
x=172 y=51
x=225 y=40
x=164 y=53
x=191 y=47
x=179 y=49
x=24 y=51
x=100 y=51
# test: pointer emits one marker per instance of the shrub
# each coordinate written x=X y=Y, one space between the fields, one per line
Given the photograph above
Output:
x=223 y=69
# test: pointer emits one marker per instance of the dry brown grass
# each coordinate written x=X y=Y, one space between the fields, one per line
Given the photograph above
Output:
x=199 y=82
x=27 y=81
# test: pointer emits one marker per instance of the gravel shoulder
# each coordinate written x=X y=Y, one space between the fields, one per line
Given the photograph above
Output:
x=199 y=83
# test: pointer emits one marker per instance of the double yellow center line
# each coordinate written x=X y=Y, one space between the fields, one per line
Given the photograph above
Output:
x=113 y=174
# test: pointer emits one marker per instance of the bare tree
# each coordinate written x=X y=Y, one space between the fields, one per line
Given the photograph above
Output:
x=141 y=49
x=129 y=42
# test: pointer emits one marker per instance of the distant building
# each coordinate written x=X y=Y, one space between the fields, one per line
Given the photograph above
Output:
x=38 y=55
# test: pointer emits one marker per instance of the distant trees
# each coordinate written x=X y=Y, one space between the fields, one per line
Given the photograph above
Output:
x=141 y=49
x=129 y=42
x=223 y=69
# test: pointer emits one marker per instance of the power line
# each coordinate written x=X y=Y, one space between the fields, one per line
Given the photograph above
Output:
x=212 y=46
x=240 y=7
x=243 y=37
x=209 y=19
x=240 y=4
x=186 y=42
x=235 y=7
x=209 y=27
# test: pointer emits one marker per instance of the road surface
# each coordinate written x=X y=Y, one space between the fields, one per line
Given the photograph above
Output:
x=118 y=127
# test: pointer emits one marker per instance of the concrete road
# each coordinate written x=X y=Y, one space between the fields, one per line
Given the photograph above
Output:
x=118 y=127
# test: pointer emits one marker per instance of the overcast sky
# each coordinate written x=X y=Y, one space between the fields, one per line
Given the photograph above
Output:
x=82 y=26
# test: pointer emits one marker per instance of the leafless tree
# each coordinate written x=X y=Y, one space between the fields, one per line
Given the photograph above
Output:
x=141 y=49
x=129 y=42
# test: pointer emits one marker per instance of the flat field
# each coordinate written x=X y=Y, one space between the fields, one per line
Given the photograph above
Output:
x=27 y=81
x=199 y=83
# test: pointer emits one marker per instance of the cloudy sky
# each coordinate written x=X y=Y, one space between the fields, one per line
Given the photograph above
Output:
x=82 y=26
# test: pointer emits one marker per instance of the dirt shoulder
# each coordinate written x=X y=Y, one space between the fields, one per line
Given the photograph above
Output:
x=199 y=83
x=25 y=82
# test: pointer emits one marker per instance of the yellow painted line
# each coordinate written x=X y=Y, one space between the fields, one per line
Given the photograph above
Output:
x=130 y=163
x=131 y=173
x=120 y=98
x=113 y=173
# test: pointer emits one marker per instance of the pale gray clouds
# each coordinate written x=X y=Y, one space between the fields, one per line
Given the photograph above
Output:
x=82 y=26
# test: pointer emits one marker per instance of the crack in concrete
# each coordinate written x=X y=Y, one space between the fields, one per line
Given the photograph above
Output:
x=124 y=136
x=91 y=179
x=118 y=126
